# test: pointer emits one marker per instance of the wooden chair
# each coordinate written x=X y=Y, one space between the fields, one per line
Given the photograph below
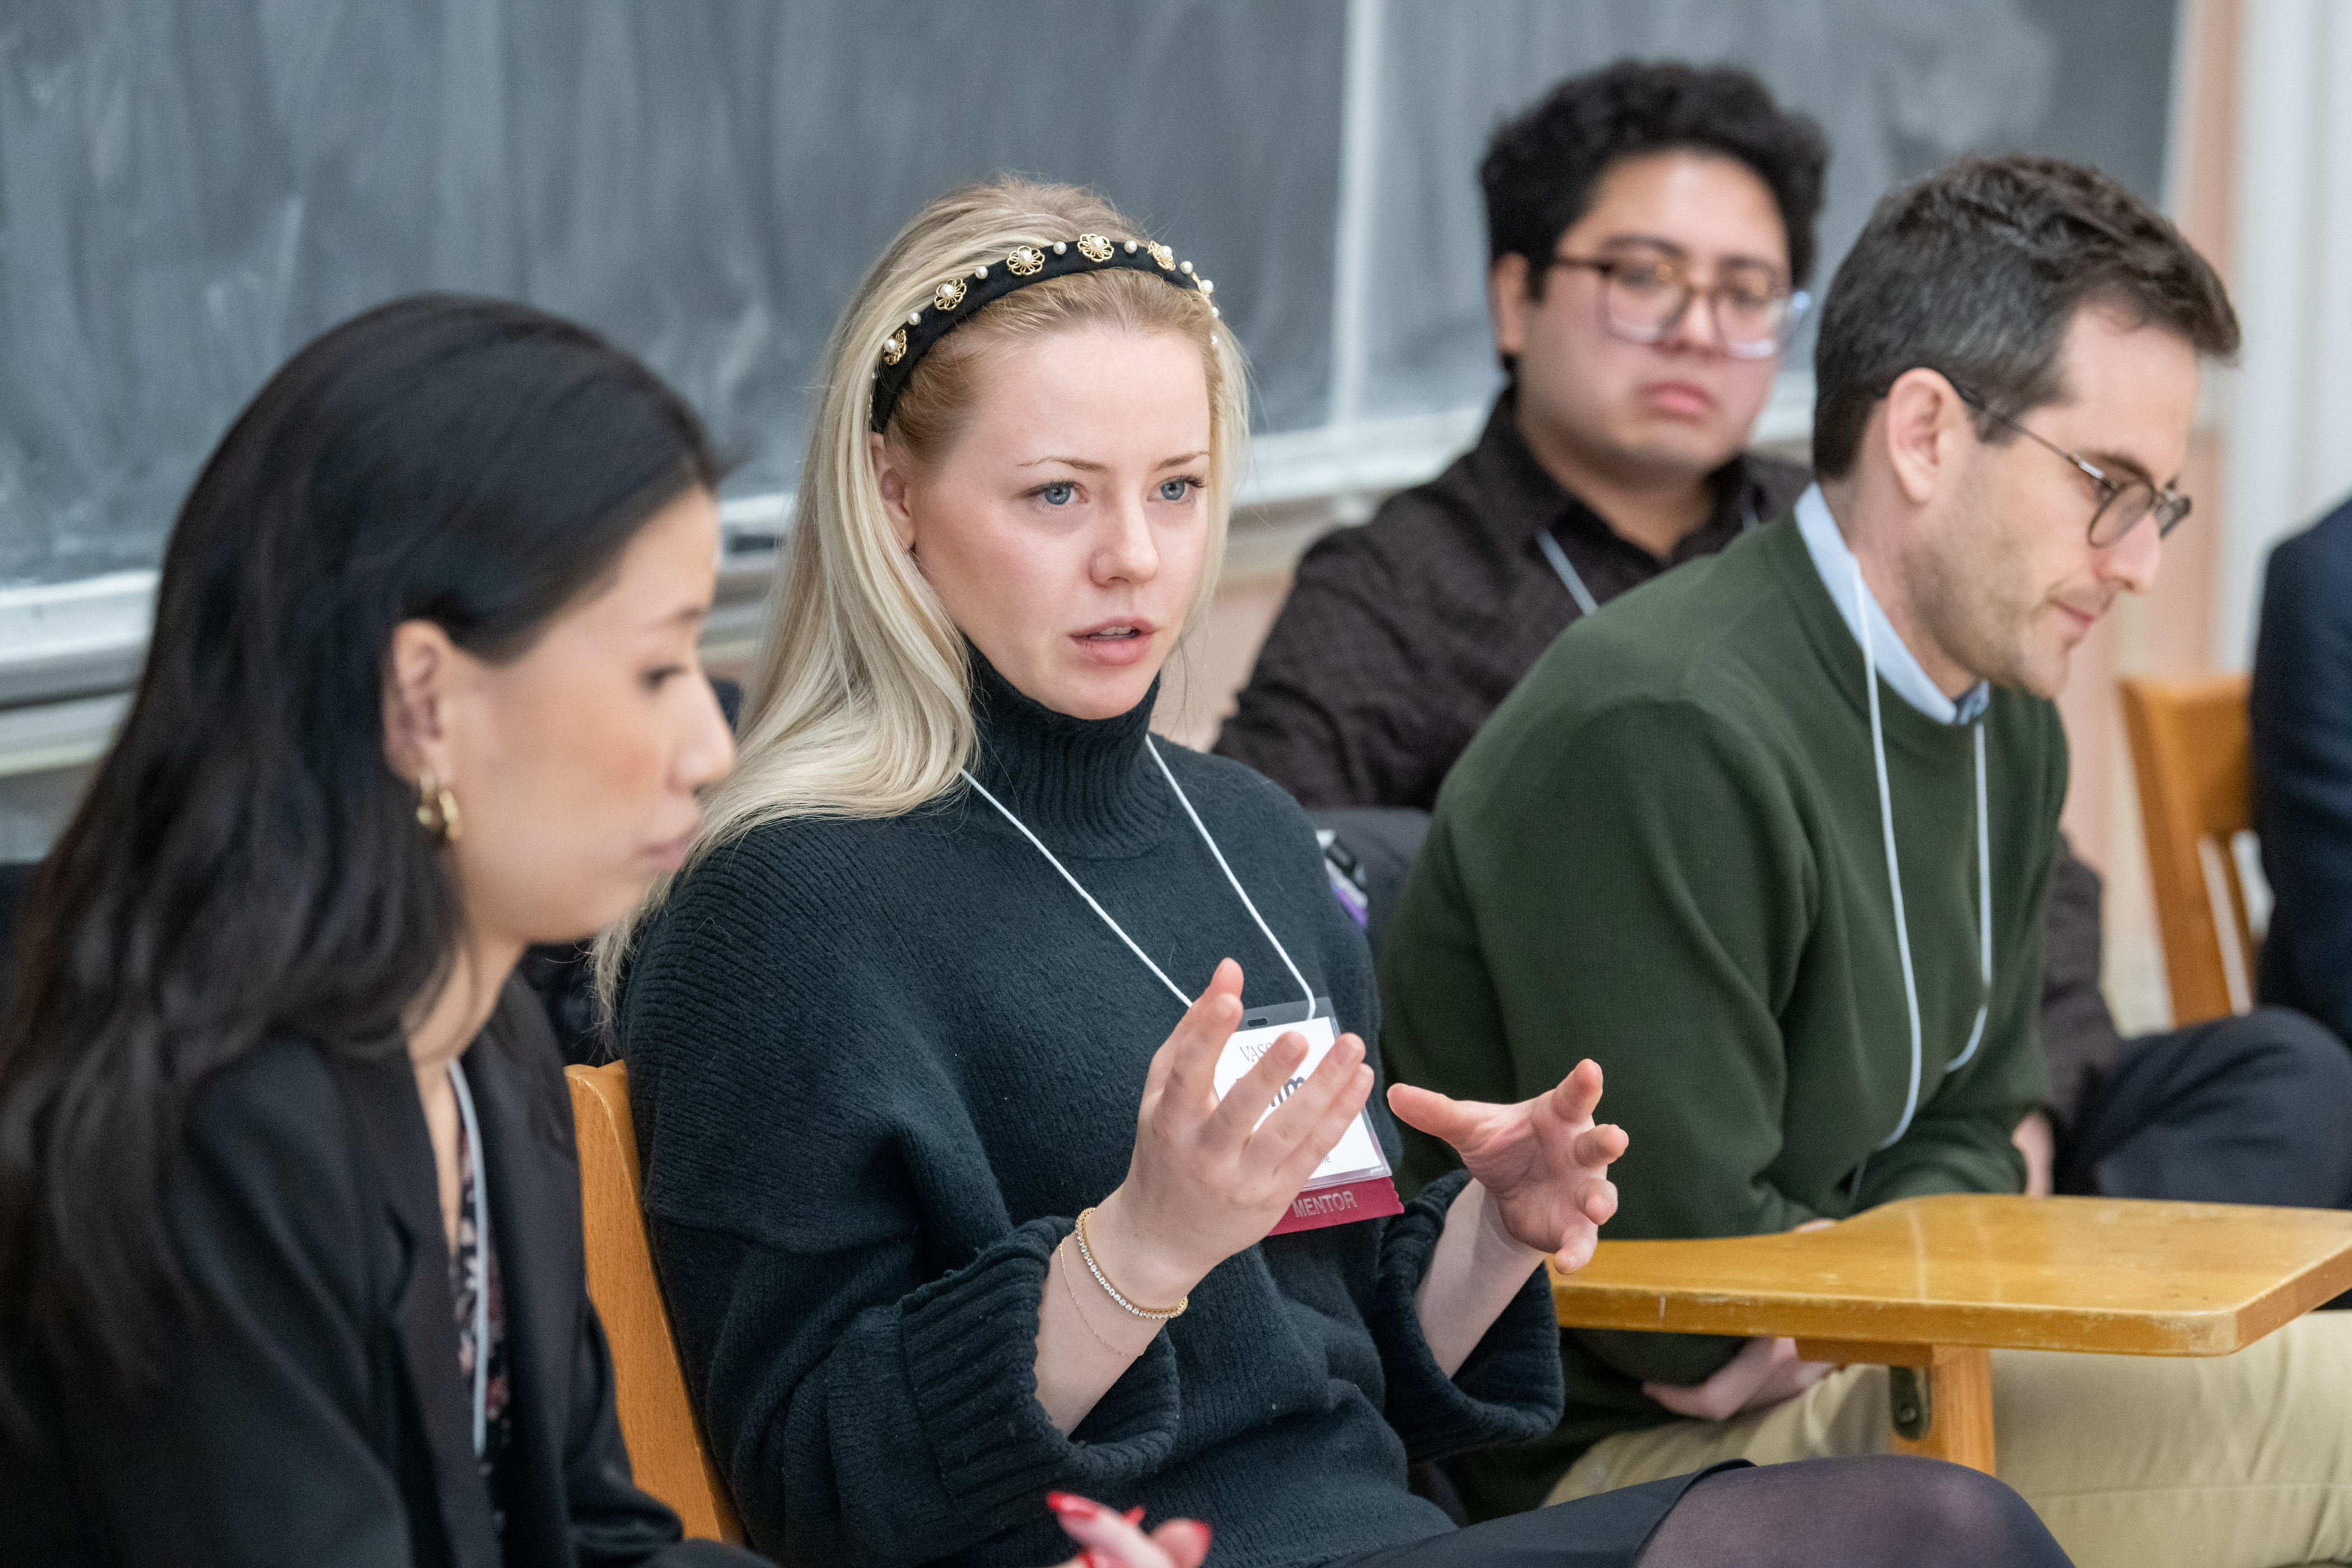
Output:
x=666 y=1448
x=2191 y=750
x=1928 y=1288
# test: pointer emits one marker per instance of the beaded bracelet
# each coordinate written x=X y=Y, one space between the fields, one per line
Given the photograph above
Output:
x=1071 y=1290
x=1151 y=1314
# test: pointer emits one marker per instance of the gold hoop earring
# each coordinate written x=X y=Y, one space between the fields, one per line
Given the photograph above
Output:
x=436 y=809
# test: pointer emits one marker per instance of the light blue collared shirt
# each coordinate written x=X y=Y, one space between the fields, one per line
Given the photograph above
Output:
x=1897 y=664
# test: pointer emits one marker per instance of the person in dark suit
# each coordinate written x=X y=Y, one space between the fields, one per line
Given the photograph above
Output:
x=2303 y=770
x=290 y=1259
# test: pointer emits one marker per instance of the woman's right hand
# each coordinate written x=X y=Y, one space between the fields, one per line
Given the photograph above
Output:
x=1203 y=1183
x=1114 y=1540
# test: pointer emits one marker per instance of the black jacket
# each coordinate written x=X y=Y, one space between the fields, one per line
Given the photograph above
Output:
x=2303 y=770
x=311 y=1410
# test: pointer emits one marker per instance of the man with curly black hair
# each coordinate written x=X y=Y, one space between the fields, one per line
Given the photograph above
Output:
x=1649 y=228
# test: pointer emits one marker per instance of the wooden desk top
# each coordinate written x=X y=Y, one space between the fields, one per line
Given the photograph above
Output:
x=2073 y=1274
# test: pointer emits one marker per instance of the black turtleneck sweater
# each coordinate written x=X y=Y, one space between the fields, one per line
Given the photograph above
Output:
x=878 y=1066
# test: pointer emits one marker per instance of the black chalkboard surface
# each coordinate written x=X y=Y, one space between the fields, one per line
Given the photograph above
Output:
x=1899 y=86
x=189 y=189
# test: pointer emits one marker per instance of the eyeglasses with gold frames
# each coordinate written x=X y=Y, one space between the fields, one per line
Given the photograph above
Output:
x=2124 y=503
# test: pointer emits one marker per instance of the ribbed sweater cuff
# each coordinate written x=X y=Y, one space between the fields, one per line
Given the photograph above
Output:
x=971 y=1346
x=1508 y=1391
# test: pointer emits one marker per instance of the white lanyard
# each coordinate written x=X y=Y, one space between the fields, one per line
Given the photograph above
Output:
x=481 y=1258
x=1895 y=874
x=1573 y=580
x=1182 y=1000
x=1549 y=545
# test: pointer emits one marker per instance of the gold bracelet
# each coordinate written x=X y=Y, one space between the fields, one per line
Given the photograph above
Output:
x=1069 y=1286
x=1149 y=1314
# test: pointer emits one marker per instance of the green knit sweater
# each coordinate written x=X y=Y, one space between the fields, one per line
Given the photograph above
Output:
x=1664 y=852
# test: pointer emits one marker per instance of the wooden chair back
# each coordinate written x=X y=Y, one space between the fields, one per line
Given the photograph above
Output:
x=2192 y=750
x=666 y=1448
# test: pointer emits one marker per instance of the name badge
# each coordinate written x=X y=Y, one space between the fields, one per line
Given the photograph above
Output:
x=1352 y=1183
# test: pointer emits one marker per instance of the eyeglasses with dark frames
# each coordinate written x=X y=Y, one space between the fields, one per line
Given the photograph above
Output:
x=1644 y=298
x=2124 y=504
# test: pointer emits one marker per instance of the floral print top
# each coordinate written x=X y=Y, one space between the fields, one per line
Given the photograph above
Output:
x=472 y=1270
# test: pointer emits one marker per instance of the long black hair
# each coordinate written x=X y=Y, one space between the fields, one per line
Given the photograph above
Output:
x=246 y=862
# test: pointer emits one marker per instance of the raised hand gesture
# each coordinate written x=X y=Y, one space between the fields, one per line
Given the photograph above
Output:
x=1208 y=1178
x=1543 y=1162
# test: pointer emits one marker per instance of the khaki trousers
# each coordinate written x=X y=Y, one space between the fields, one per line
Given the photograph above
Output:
x=2241 y=1462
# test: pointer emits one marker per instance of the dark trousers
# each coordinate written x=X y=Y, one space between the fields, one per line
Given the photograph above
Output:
x=2250 y=1110
x=1878 y=1510
x=1603 y=1532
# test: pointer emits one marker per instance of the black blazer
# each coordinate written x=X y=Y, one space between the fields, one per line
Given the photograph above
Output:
x=2302 y=769
x=311 y=1410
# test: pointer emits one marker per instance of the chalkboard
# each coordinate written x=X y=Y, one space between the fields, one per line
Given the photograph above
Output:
x=1899 y=86
x=189 y=190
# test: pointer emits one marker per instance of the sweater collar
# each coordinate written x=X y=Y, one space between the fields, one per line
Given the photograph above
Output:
x=1834 y=644
x=1082 y=785
x=1897 y=664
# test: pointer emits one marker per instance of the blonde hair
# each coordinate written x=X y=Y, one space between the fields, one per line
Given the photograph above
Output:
x=860 y=700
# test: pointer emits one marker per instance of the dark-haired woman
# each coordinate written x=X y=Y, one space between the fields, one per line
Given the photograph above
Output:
x=289 y=1220
x=288 y=1212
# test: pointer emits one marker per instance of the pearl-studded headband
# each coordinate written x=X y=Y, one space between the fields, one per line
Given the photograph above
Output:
x=959 y=299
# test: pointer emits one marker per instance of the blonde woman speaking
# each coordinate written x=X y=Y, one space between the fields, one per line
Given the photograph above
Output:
x=1001 y=1069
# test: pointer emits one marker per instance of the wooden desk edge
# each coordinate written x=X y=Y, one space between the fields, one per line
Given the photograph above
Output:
x=1855 y=1322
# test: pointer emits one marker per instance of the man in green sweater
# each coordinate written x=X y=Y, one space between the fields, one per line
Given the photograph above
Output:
x=1768 y=838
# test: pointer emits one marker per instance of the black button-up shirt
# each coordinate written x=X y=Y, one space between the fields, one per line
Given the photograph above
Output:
x=1401 y=637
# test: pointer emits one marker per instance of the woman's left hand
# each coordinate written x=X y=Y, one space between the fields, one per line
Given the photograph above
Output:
x=1115 y=1540
x=1543 y=1161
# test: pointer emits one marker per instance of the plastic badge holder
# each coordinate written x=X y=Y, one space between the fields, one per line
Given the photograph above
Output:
x=1354 y=1180
x=1346 y=875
